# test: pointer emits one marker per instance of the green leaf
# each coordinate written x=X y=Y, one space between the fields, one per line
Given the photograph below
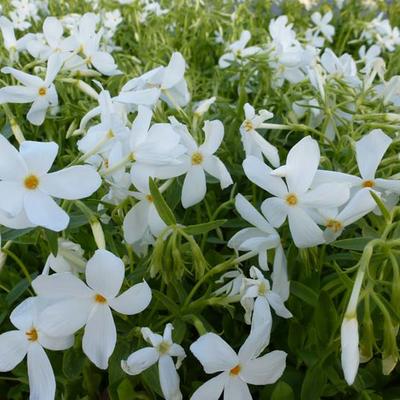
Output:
x=304 y=293
x=352 y=244
x=18 y=290
x=162 y=207
x=282 y=391
x=72 y=363
x=325 y=318
x=52 y=240
x=199 y=229
x=313 y=384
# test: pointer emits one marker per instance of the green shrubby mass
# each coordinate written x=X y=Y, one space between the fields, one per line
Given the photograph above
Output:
x=340 y=282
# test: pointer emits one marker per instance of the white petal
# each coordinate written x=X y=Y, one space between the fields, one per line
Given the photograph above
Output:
x=275 y=210
x=63 y=284
x=264 y=370
x=236 y=389
x=140 y=360
x=100 y=336
x=305 y=232
x=38 y=156
x=175 y=70
x=156 y=224
x=326 y=195
x=66 y=316
x=214 y=353
x=302 y=163
x=260 y=174
x=11 y=197
x=42 y=384
x=23 y=77
x=56 y=343
x=369 y=152
x=42 y=210
x=52 y=30
x=105 y=273
x=132 y=301
x=169 y=378
x=280 y=281
x=270 y=152
x=136 y=222
x=322 y=176
x=249 y=213
x=104 y=63
x=12 y=166
x=390 y=185
x=216 y=168
x=71 y=183
x=276 y=303
x=350 y=352
x=212 y=389
x=18 y=94
x=37 y=112
x=13 y=348
x=194 y=186
x=214 y=131
x=54 y=64
x=146 y=97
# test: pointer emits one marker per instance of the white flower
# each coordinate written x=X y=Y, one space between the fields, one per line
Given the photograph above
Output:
x=90 y=305
x=30 y=340
x=27 y=186
x=237 y=51
x=235 y=370
x=254 y=144
x=370 y=150
x=350 y=351
x=232 y=287
x=260 y=238
x=294 y=199
x=197 y=161
x=69 y=258
x=322 y=24
x=167 y=83
x=9 y=40
x=203 y=106
x=162 y=352
x=42 y=93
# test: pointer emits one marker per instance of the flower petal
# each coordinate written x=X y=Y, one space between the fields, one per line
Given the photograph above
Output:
x=264 y=370
x=38 y=156
x=37 y=112
x=194 y=186
x=305 y=232
x=132 y=301
x=169 y=378
x=136 y=222
x=212 y=389
x=214 y=131
x=140 y=360
x=327 y=195
x=216 y=168
x=236 y=389
x=105 y=273
x=260 y=174
x=174 y=71
x=100 y=336
x=11 y=197
x=54 y=64
x=214 y=353
x=13 y=348
x=52 y=30
x=18 y=94
x=56 y=343
x=42 y=210
x=369 y=152
x=275 y=210
x=12 y=166
x=302 y=164
x=23 y=77
x=71 y=183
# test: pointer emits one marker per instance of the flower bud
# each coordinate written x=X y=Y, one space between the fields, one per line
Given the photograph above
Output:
x=98 y=233
x=350 y=353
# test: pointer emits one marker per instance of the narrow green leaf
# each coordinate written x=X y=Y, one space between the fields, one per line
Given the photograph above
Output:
x=162 y=207
x=52 y=240
x=313 y=384
x=380 y=205
x=199 y=229
x=304 y=293
x=352 y=244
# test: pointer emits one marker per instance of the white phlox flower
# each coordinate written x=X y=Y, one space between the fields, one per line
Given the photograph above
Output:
x=162 y=351
x=27 y=187
x=30 y=340
x=41 y=93
x=295 y=198
x=236 y=370
x=237 y=51
x=233 y=286
x=89 y=305
x=322 y=24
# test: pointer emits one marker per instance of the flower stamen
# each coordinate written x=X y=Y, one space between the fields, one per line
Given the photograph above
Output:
x=235 y=370
x=197 y=158
x=100 y=299
x=291 y=199
x=31 y=182
x=32 y=335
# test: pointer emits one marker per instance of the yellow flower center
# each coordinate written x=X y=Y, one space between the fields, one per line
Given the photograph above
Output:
x=334 y=225
x=42 y=91
x=248 y=126
x=32 y=335
x=100 y=299
x=235 y=370
x=149 y=198
x=262 y=289
x=31 y=182
x=110 y=134
x=197 y=158
x=368 y=183
x=291 y=199
x=164 y=347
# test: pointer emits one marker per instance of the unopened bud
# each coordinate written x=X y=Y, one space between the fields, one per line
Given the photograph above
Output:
x=98 y=233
